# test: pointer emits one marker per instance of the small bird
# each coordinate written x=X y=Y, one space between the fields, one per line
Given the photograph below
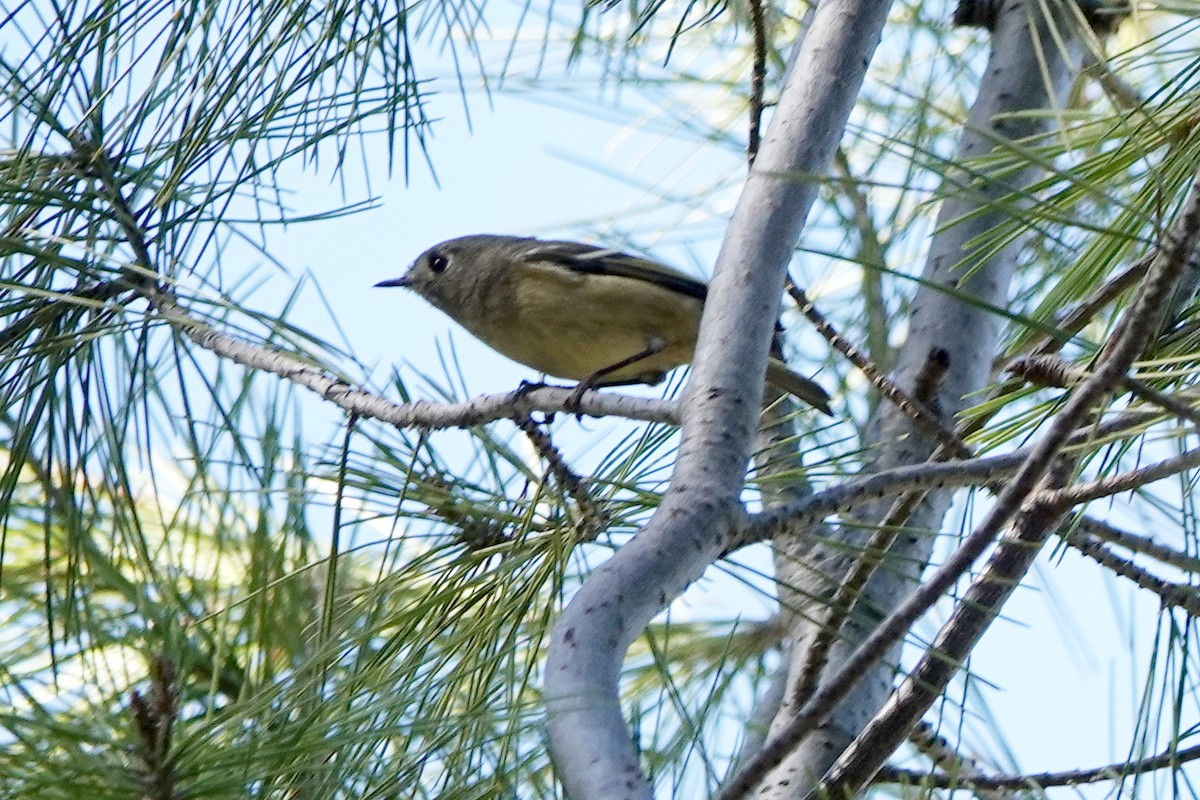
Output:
x=575 y=311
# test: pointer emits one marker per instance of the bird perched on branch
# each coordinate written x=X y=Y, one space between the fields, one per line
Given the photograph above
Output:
x=571 y=310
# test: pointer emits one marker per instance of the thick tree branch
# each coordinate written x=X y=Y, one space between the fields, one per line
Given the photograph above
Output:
x=589 y=739
x=968 y=273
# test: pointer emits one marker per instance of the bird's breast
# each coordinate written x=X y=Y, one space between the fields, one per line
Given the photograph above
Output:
x=572 y=325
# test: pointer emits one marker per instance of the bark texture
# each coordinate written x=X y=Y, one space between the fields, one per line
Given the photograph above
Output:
x=1029 y=69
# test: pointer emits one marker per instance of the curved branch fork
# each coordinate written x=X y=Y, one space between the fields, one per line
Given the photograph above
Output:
x=591 y=743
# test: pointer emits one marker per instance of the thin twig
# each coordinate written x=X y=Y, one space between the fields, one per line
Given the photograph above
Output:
x=1138 y=544
x=929 y=475
x=850 y=493
x=594 y=519
x=758 y=78
x=1122 y=93
x=1048 y=370
x=1079 y=315
x=1041 y=780
x=95 y=161
x=92 y=161
x=873 y=258
x=1067 y=326
x=1172 y=595
x=936 y=748
x=476 y=530
x=48 y=310
x=911 y=407
x=1129 y=481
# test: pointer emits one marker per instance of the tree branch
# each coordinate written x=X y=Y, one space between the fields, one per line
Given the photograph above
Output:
x=859 y=762
x=419 y=414
x=1054 y=371
x=1129 y=481
x=1041 y=780
x=967 y=275
x=989 y=591
x=1138 y=544
x=1170 y=594
x=913 y=407
x=588 y=737
x=593 y=518
x=933 y=475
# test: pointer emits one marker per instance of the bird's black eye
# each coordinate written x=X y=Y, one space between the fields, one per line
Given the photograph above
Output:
x=438 y=263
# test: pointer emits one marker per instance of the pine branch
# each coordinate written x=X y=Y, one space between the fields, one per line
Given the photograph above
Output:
x=1171 y=759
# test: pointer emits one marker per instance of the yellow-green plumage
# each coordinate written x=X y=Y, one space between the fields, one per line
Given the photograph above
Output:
x=642 y=315
x=575 y=311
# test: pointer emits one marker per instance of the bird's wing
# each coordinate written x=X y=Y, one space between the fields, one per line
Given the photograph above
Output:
x=590 y=260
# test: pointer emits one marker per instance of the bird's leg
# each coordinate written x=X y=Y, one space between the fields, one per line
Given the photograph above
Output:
x=653 y=348
x=528 y=386
x=531 y=386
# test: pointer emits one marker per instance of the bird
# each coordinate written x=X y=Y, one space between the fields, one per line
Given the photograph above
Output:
x=575 y=311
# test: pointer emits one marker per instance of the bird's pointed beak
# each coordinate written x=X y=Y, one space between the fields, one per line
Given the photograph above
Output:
x=401 y=281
